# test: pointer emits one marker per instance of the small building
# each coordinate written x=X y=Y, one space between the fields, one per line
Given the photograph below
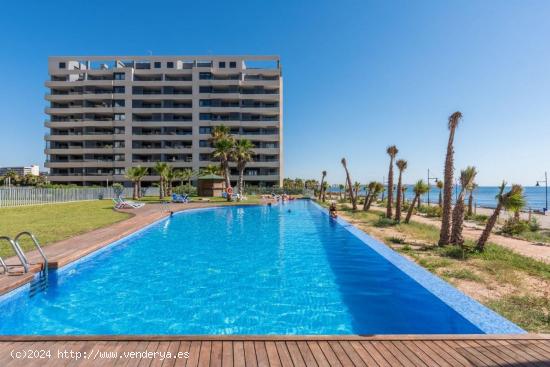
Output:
x=21 y=170
x=210 y=185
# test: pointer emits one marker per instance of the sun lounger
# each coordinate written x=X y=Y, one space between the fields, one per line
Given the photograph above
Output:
x=126 y=204
x=177 y=198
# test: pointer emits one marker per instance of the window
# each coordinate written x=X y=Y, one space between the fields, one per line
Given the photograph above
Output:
x=170 y=64
x=62 y=65
x=118 y=103
x=119 y=76
x=205 y=130
x=205 y=116
x=205 y=103
x=205 y=76
x=205 y=89
x=221 y=64
x=205 y=143
x=232 y=64
x=118 y=90
x=120 y=117
x=157 y=64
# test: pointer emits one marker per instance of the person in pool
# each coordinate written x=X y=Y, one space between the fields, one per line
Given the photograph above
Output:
x=332 y=210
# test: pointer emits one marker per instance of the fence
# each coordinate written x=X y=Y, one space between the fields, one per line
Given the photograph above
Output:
x=21 y=196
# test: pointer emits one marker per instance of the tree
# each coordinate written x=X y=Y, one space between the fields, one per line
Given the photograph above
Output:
x=467 y=177
x=169 y=177
x=368 y=194
x=353 y=198
x=378 y=189
x=439 y=185
x=341 y=189
x=160 y=169
x=136 y=174
x=321 y=186
x=242 y=153
x=419 y=189
x=471 y=190
x=401 y=165
x=511 y=200
x=211 y=169
x=183 y=175
x=219 y=133
x=356 y=189
x=444 y=234
x=11 y=177
x=324 y=189
x=223 y=150
x=392 y=152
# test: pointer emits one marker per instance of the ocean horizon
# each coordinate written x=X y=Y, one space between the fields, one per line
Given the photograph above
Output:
x=484 y=196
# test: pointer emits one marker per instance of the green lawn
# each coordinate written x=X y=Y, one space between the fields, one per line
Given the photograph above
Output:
x=55 y=222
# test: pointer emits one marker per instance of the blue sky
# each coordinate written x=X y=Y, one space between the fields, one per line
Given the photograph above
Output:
x=358 y=75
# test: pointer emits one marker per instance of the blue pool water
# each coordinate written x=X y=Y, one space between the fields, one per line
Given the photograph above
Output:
x=285 y=269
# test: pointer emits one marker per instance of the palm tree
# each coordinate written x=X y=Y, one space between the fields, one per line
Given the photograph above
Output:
x=11 y=177
x=211 y=169
x=513 y=199
x=467 y=177
x=136 y=174
x=356 y=188
x=183 y=175
x=219 y=132
x=439 y=185
x=378 y=189
x=401 y=165
x=324 y=189
x=471 y=190
x=321 y=186
x=169 y=177
x=403 y=190
x=243 y=153
x=223 y=151
x=160 y=169
x=444 y=234
x=353 y=198
x=420 y=188
x=392 y=152
x=369 y=192
x=341 y=189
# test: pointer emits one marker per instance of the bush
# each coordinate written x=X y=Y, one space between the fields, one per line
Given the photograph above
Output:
x=185 y=189
x=534 y=225
x=478 y=218
x=384 y=222
x=396 y=240
x=514 y=227
x=431 y=211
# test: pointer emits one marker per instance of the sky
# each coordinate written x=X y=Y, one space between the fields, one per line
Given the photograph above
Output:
x=358 y=75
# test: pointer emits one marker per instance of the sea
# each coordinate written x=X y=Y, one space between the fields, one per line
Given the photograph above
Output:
x=484 y=196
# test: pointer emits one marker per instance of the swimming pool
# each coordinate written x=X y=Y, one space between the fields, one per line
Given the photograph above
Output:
x=284 y=269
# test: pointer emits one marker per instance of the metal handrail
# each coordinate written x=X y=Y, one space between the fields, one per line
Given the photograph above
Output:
x=18 y=252
x=3 y=264
x=38 y=247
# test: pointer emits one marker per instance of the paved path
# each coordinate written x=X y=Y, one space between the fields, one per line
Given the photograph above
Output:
x=240 y=351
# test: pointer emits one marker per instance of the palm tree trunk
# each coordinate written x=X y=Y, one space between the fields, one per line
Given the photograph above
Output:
x=471 y=203
x=161 y=188
x=367 y=199
x=516 y=216
x=480 y=245
x=135 y=193
x=458 y=220
x=241 y=181
x=399 y=199
x=390 y=190
x=227 y=180
x=440 y=199
x=371 y=199
x=444 y=234
x=411 y=208
x=352 y=197
x=321 y=187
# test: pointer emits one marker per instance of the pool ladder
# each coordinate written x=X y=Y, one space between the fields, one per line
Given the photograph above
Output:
x=16 y=246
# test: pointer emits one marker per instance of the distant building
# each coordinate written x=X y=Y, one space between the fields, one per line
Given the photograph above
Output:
x=21 y=170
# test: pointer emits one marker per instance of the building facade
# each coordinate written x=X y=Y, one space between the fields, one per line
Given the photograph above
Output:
x=33 y=170
x=107 y=114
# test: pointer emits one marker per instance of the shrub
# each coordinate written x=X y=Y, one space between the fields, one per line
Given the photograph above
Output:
x=186 y=189
x=384 y=222
x=478 y=218
x=431 y=211
x=397 y=240
x=514 y=227
x=534 y=225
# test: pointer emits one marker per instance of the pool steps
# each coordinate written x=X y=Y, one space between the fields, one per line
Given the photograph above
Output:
x=21 y=254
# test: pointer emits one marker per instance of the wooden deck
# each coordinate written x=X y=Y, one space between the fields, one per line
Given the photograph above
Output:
x=390 y=351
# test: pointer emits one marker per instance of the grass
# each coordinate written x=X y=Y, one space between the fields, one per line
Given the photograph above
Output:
x=54 y=222
x=507 y=282
x=542 y=236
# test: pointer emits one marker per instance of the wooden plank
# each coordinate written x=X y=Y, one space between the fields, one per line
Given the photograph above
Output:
x=329 y=354
x=250 y=354
x=418 y=352
x=216 y=354
x=539 y=346
x=173 y=349
x=391 y=349
x=204 y=354
x=465 y=350
x=261 y=354
x=162 y=348
x=238 y=354
x=318 y=354
x=146 y=362
x=340 y=353
x=363 y=353
x=390 y=358
x=511 y=357
x=194 y=351
x=307 y=356
x=433 y=354
x=415 y=360
x=487 y=351
x=374 y=353
x=520 y=352
x=460 y=360
x=227 y=354
x=284 y=354
x=272 y=354
x=185 y=346
x=351 y=353
x=532 y=350
x=295 y=354
x=130 y=346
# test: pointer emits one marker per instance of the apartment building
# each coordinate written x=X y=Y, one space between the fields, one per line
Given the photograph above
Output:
x=33 y=170
x=107 y=114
